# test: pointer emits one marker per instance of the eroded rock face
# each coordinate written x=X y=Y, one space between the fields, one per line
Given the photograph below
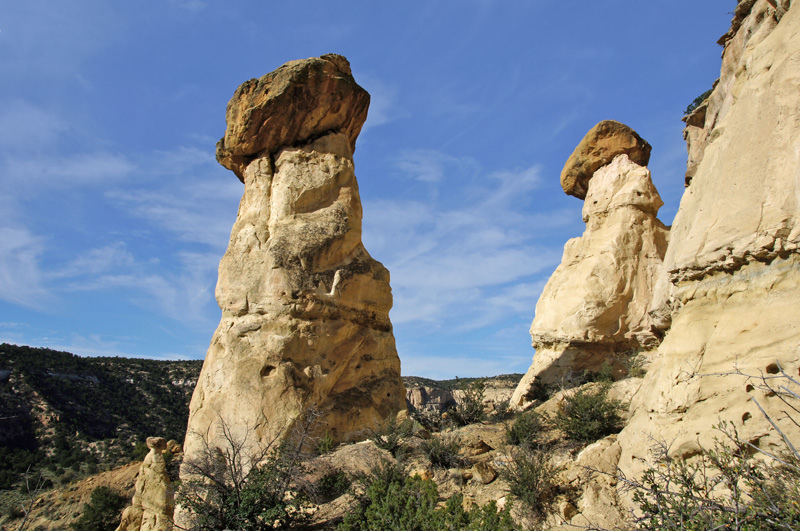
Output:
x=730 y=283
x=595 y=305
x=601 y=144
x=305 y=309
x=153 y=504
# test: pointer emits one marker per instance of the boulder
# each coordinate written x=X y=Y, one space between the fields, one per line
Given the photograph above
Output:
x=305 y=326
x=297 y=103
x=601 y=144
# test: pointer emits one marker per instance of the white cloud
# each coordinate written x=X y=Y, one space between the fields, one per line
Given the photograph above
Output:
x=183 y=291
x=469 y=260
x=21 y=279
x=31 y=175
x=96 y=261
x=383 y=106
x=194 y=6
x=431 y=166
x=27 y=126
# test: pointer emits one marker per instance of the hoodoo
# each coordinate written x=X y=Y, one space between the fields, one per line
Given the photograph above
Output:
x=594 y=306
x=305 y=309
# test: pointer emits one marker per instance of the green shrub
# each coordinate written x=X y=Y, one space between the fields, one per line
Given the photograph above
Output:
x=720 y=489
x=526 y=427
x=443 y=451
x=470 y=410
x=390 y=436
x=239 y=487
x=330 y=486
x=139 y=452
x=588 y=415
x=697 y=102
x=634 y=364
x=399 y=503
x=102 y=512
x=724 y=488
x=325 y=444
x=531 y=481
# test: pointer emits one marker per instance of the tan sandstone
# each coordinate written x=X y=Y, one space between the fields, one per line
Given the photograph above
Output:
x=729 y=287
x=305 y=309
x=595 y=305
x=152 y=505
x=601 y=144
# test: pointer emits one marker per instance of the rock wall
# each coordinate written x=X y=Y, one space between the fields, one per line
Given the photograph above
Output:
x=305 y=309
x=152 y=505
x=729 y=289
x=594 y=307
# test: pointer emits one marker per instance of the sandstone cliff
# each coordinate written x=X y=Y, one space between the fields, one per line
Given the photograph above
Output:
x=730 y=282
x=723 y=294
x=593 y=309
x=305 y=309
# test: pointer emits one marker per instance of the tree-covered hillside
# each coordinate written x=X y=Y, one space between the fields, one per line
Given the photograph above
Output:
x=70 y=415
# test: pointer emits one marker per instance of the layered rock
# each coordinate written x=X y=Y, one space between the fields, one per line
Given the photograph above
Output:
x=595 y=305
x=730 y=283
x=152 y=505
x=305 y=309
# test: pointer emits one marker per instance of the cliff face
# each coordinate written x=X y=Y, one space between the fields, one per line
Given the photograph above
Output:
x=305 y=309
x=720 y=301
x=729 y=287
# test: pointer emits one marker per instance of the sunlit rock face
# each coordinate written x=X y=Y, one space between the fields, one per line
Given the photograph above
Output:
x=594 y=307
x=305 y=309
x=728 y=293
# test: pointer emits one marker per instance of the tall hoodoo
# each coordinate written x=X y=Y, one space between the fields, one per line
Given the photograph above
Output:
x=594 y=306
x=305 y=309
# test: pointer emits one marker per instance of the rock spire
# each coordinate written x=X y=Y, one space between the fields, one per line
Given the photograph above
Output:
x=595 y=305
x=305 y=309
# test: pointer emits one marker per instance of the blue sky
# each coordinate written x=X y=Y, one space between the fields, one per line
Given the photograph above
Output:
x=114 y=213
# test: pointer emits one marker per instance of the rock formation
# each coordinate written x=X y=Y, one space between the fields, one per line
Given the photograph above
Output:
x=601 y=144
x=594 y=307
x=728 y=291
x=305 y=309
x=152 y=505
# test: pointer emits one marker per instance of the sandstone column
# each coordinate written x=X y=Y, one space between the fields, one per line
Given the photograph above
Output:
x=594 y=307
x=305 y=309
x=152 y=505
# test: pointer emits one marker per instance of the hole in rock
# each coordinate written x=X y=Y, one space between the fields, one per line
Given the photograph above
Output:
x=747 y=416
x=749 y=388
x=773 y=368
x=266 y=370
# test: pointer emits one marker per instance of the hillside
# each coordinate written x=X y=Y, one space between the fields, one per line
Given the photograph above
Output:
x=70 y=415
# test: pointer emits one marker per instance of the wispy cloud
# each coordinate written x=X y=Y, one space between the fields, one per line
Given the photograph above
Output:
x=384 y=105
x=21 y=279
x=470 y=261
x=183 y=291
x=96 y=261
